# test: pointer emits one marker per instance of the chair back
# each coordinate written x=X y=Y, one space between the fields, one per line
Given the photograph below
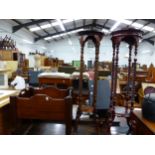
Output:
x=103 y=94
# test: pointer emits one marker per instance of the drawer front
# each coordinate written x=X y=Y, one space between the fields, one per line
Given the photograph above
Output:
x=138 y=128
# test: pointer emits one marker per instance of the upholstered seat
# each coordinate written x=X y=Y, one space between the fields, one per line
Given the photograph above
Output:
x=103 y=94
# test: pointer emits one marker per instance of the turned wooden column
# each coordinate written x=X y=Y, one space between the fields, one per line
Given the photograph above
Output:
x=96 y=76
x=81 y=70
x=115 y=59
x=96 y=37
x=116 y=68
x=134 y=75
x=112 y=76
x=129 y=69
x=131 y=37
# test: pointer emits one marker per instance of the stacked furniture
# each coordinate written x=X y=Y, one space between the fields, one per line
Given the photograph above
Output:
x=61 y=80
x=66 y=69
x=8 y=49
x=53 y=62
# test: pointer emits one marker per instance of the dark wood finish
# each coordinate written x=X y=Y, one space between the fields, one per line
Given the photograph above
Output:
x=43 y=107
x=139 y=125
x=77 y=99
x=55 y=81
x=96 y=37
x=28 y=107
x=5 y=119
x=51 y=91
x=131 y=37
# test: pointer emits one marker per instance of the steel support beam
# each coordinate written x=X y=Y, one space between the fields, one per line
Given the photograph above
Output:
x=18 y=27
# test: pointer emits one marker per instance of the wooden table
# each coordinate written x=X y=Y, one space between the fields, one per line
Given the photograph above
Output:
x=140 y=125
x=5 y=118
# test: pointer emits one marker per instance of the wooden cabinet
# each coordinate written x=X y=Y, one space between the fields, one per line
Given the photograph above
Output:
x=139 y=125
x=8 y=55
x=6 y=113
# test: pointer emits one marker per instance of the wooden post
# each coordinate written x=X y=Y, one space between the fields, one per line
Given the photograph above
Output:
x=129 y=70
x=134 y=77
x=112 y=76
x=81 y=75
x=96 y=76
x=130 y=36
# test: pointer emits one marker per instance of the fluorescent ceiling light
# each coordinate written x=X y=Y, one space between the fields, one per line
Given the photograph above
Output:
x=137 y=25
x=27 y=41
x=67 y=21
x=124 y=21
x=63 y=21
x=148 y=28
x=63 y=34
x=115 y=25
x=46 y=26
x=47 y=38
x=61 y=25
x=105 y=30
x=52 y=24
x=35 y=29
x=127 y=22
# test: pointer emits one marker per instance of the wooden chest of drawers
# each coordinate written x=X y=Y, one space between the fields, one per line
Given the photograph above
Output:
x=139 y=125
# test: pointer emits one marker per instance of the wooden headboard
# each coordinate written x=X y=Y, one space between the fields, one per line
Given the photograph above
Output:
x=43 y=107
x=50 y=91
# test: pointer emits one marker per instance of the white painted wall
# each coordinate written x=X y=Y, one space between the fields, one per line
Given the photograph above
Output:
x=20 y=36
